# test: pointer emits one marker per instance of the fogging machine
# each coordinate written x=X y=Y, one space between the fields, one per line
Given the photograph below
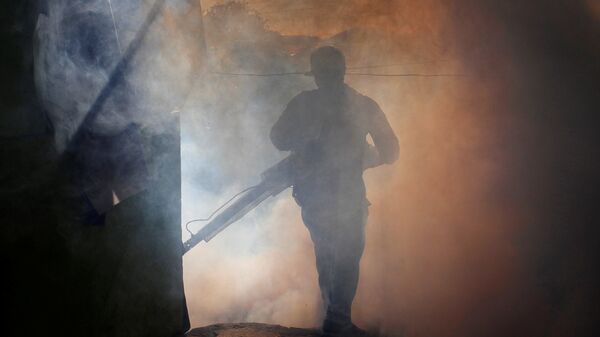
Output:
x=274 y=180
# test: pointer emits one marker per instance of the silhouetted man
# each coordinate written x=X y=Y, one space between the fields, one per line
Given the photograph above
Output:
x=327 y=128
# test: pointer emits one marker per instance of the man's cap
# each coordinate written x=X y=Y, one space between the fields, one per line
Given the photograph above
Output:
x=327 y=59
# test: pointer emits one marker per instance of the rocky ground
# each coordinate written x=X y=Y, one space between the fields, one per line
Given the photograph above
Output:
x=251 y=330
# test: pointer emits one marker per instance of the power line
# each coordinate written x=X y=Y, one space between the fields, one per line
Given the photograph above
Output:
x=271 y=2
x=406 y=75
x=371 y=66
x=350 y=73
x=290 y=10
x=258 y=74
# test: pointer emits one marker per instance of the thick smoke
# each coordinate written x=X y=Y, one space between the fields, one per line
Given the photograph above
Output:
x=485 y=226
x=235 y=148
x=77 y=47
x=473 y=232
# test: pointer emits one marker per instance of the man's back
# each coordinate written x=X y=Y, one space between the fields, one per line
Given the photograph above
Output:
x=329 y=131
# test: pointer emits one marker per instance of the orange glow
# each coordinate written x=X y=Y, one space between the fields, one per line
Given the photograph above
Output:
x=443 y=253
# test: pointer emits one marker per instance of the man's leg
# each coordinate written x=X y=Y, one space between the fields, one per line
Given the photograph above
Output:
x=318 y=226
x=339 y=245
x=348 y=246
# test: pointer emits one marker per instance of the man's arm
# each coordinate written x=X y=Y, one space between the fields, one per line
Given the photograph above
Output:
x=386 y=147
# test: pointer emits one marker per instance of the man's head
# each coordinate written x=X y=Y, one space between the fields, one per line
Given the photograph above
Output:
x=328 y=66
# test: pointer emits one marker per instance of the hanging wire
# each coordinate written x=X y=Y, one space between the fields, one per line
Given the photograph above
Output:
x=406 y=75
x=349 y=73
x=218 y=209
x=371 y=66
x=112 y=14
x=271 y=2
x=298 y=9
x=258 y=74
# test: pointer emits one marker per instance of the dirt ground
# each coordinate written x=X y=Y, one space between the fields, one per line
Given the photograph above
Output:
x=251 y=330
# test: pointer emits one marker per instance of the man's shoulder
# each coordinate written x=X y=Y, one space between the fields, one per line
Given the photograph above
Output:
x=363 y=101
x=306 y=95
x=302 y=101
